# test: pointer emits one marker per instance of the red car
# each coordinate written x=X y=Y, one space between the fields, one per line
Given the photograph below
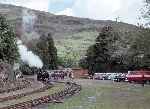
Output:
x=138 y=76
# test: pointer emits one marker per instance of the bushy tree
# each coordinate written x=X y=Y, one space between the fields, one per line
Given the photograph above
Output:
x=69 y=58
x=99 y=57
x=141 y=50
x=47 y=52
x=83 y=63
x=145 y=11
x=8 y=46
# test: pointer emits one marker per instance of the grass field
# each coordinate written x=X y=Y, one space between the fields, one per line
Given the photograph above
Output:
x=78 y=42
x=107 y=95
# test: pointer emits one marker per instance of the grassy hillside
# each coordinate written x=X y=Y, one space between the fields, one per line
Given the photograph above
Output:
x=76 y=42
x=74 y=46
x=59 y=25
x=72 y=35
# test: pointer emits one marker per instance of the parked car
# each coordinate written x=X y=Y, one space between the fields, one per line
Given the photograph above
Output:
x=120 y=78
x=98 y=76
x=105 y=77
x=111 y=76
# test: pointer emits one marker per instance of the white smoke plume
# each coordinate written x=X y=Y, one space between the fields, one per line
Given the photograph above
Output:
x=28 y=21
x=28 y=56
x=28 y=18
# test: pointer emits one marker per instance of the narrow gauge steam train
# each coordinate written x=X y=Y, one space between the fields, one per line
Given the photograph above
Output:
x=44 y=75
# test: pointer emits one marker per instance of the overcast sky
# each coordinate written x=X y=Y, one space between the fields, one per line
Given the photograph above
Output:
x=127 y=10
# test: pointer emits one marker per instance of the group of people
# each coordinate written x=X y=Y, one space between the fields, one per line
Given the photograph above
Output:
x=58 y=75
x=44 y=75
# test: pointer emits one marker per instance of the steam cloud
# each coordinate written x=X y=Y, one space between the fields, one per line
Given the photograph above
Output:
x=28 y=21
x=28 y=56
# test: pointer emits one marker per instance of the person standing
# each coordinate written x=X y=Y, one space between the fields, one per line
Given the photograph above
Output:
x=143 y=81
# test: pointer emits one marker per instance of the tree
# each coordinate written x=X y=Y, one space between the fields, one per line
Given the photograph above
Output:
x=146 y=12
x=8 y=46
x=83 y=63
x=99 y=57
x=141 y=50
x=69 y=57
x=47 y=52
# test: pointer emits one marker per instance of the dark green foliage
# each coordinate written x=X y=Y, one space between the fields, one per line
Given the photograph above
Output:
x=99 y=57
x=69 y=58
x=47 y=51
x=141 y=50
x=65 y=62
x=8 y=47
x=107 y=56
x=83 y=63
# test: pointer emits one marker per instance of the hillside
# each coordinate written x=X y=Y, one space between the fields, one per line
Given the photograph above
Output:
x=72 y=33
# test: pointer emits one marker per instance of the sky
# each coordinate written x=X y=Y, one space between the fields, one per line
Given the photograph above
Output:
x=125 y=10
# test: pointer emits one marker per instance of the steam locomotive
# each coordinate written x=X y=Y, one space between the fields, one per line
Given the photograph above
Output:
x=42 y=75
x=45 y=75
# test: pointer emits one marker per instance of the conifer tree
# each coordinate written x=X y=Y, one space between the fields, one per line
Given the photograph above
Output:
x=47 y=52
x=8 y=46
x=99 y=56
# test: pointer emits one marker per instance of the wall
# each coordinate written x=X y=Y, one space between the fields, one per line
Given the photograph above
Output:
x=80 y=73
